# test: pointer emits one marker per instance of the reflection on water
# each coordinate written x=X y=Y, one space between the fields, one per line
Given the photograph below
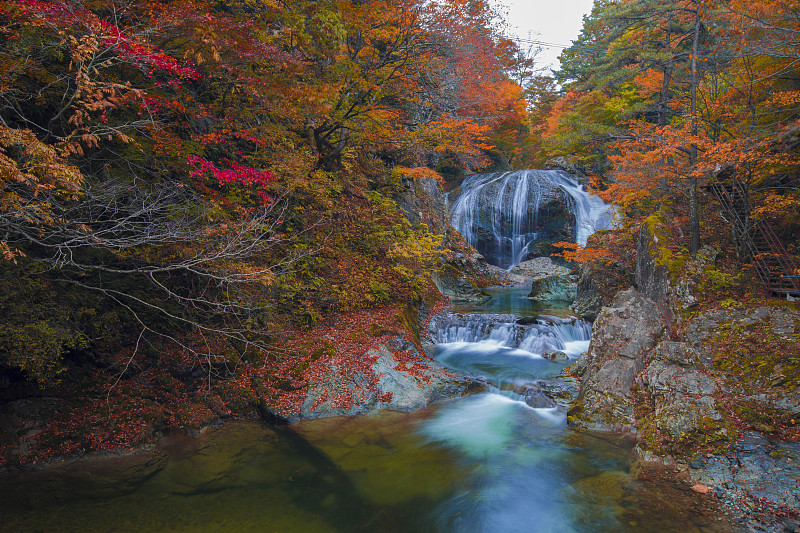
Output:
x=503 y=365
x=514 y=301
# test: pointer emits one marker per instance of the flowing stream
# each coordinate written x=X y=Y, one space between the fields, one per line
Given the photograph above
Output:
x=487 y=462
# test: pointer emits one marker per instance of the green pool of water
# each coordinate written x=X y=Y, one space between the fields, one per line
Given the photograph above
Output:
x=481 y=463
x=513 y=300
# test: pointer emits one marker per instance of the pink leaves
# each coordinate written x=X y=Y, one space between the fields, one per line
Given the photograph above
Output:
x=237 y=174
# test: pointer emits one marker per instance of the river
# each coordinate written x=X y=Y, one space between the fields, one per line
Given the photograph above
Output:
x=487 y=462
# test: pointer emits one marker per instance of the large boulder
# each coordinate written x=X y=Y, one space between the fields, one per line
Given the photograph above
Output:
x=599 y=281
x=540 y=267
x=669 y=279
x=550 y=281
x=456 y=286
x=624 y=334
x=578 y=170
x=682 y=398
x=553 y=288
x=393 y=377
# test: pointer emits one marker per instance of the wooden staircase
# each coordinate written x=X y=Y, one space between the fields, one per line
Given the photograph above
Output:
x=757 y=239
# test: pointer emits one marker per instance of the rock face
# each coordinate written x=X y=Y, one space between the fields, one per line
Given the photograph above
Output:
x=554 y=288
x=578 y=170
x=623 y=335
x=551 y=282
x=423 y=202
x=699 y=385
x=598 y=283
x=701 y=331
x=540 y=267
x=654 y=279
x=758 y=467
x=456 y=286
x=682 y=398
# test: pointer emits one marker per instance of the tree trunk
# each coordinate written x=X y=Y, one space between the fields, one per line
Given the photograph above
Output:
x=694 y=207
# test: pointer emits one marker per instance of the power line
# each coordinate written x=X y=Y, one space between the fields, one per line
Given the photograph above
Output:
x=546 y=44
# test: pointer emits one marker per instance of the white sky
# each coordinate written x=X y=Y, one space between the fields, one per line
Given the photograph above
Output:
x=552 y=21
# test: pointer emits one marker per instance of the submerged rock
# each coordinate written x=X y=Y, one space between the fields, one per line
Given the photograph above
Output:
x=538 y=399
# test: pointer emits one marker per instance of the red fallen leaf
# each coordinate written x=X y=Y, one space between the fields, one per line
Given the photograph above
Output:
x=701 y=489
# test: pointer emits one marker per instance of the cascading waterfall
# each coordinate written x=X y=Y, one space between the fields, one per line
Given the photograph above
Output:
x=500 y=214
x=505 y=350
x=545 y=335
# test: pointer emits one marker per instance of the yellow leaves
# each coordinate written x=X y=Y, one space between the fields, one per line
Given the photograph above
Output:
x=32 y=168
x=777 y=204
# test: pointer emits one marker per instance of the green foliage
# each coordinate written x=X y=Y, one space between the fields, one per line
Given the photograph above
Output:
x=38 y=327
x=719 y=281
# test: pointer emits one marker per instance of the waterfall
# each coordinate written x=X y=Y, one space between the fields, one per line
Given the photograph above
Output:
x=545 y=335
x=501 y=214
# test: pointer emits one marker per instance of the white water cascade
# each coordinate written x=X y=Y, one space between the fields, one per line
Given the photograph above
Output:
x=501 y=214
x=505 y=348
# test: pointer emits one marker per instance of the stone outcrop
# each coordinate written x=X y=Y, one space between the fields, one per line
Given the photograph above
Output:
x=457 y=286
x=756 y=466
x=682 y=398
x=423 y=202
x=652 y=277
x=685 y=383
x=392 y=381
x=550 y=281
x=598 y=283
x=578 y=170
x=670 y=283
x=540 y=267
x=700 y=332
x=624 y=335
x=553 y=288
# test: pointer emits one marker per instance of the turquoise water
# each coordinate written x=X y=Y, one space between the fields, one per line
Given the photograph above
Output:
x=514 y=300
x=482 y=463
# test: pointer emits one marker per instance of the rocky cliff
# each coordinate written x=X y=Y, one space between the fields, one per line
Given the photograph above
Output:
x=716 y=392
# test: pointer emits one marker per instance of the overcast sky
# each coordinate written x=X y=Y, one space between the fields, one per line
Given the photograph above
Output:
x=552 y=21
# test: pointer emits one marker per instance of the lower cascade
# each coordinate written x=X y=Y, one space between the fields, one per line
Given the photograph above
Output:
x=542 y=336
x=503 y=215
